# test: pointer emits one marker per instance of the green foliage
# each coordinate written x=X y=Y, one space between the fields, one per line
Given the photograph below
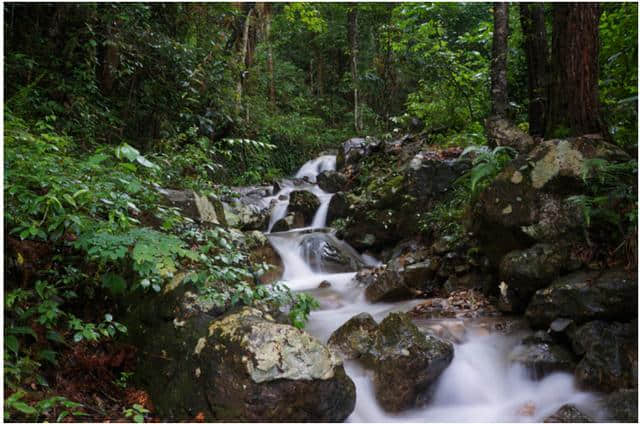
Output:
x=486 y=165
x=619 y=71
x=137 y=413
x=16 y=404
x=612 y=198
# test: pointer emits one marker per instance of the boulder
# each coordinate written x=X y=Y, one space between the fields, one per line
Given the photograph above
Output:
x=355 y=337
x=331 y=181
x=304 y=202
x=251 y=359
x=403 y=277
x=338 y=207
x=568 y=414
x=289 y=222
x=529 y=200
x=621 y=406
x=406 y=363
x=325 y=253
x=525 y=271
x=226 y=368
x=351 y=152
x=609 y=355
x=192 y=205
x=586 y=295
x=501 y=132
x=541 y=356
x=428 y=176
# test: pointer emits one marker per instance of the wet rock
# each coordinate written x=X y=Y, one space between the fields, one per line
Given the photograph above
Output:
x=400 y=279
x=525 y=271
x=338 y=207
x=541 y=355
x=351 y=152
x=304 y=202
x=621 y=406
x=355 y=337
x=248 y=358
x=459 y=304
x=324 y=253
x=406 y=363
x=261 y=251
x=289 y=222
x=331 y=181
x=584 y=296
x=610 y=355
x=427 y=177
x=568 y=414
x=324 y=284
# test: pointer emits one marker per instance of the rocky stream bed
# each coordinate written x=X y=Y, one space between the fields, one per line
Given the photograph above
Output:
x=508 y=323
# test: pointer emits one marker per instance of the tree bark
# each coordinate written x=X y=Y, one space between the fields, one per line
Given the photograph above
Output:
x=499 y=98
x=573 y=107
x=267 y=34
x=352 y=35
x=536 y=49
x=243 y=59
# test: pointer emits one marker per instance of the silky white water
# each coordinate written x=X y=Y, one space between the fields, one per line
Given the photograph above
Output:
x=480 y=384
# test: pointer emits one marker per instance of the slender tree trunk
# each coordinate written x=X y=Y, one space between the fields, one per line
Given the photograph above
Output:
x=536 y=49
x=320 y=78
x=267 y=34
x=352 y=34
x=573 y=106
x=243 y=59
x=499 y=98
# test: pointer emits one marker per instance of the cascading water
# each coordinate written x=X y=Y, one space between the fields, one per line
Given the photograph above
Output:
x=309 y=171
x=480 y=384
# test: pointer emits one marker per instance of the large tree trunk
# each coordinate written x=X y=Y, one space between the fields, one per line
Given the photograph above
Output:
x=573 y=106
x=352 y=35
x=499 y=99
x=536 y=49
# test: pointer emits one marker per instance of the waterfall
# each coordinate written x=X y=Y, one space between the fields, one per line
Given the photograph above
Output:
x=480 y=384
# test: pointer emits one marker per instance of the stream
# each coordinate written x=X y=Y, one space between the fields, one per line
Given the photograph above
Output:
x=480 y=384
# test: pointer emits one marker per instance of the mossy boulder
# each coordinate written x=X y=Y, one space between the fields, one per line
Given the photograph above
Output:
x=609 y=355
x=261 y=251
x=305 y=203
x=289 y=222
x=525 y=271
x=259 y=370
x=586 y=295
x=428 y=176
x=338 y=207
x=331 y=181
x=241 y=366
x=529 y=202
x=402 y=277
x=406 y=363
x=355 y=337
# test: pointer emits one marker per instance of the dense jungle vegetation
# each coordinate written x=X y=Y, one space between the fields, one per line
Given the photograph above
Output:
x=105 y=103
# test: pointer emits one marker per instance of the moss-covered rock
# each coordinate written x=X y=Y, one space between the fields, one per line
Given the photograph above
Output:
x=331 y=181
x=525 y=271
x=609 y=355
x=355 y=337
x=406 y=363
x=241 y=366
x=583 y=296
x=304 y=202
